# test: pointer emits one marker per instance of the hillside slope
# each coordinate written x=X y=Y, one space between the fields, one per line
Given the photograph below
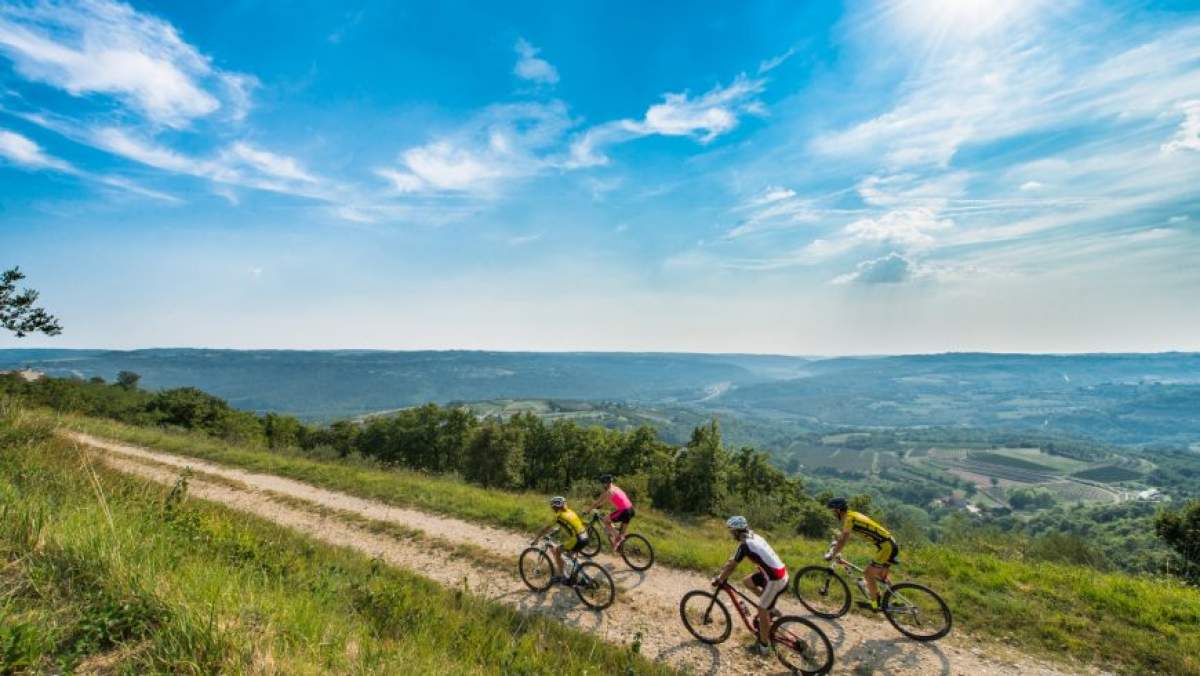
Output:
x=646 y=612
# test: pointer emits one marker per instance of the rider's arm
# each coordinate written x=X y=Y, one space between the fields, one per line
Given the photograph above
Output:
x=726 y=571
x=600 y=499
x=839 y=543
x=543 y=531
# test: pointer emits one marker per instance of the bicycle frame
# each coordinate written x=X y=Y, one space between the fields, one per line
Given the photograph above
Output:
x=609 y=529
x=733 y=596
x=861 y=573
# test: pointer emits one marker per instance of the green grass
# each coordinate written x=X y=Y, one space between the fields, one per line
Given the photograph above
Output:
x=105 y=572
x=1119 y=622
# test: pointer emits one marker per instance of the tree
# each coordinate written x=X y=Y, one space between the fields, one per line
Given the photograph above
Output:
x=17 y=312
x=128 y=380
x=1181 y=531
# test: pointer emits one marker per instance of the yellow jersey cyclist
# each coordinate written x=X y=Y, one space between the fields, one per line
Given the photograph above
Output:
x=574 y=534
x=861 y=524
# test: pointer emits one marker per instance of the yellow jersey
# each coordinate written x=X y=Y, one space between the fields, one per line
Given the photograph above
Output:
x=571 y=525
x=860 y=523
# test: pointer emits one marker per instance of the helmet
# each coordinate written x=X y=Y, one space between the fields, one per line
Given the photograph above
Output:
x=605 y=478
x=737 y=523
x=839 y=504
x=558 y=501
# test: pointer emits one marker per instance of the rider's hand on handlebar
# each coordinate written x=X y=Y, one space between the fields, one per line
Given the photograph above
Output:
x=828 y=555
x=716 y=582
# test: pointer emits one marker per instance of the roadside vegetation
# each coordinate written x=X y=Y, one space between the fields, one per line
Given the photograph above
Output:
x=102 y=572
x=1134 y=623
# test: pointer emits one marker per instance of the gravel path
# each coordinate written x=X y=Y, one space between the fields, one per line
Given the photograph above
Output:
x=647 y=604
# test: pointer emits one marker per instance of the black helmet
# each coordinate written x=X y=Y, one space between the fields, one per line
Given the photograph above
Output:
x=839 y=504
x=605 y=478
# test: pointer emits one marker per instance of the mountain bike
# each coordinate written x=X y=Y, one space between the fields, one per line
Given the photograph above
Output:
x=799 y=644
x=914 y=610
x=634 y=548
x=592 y=584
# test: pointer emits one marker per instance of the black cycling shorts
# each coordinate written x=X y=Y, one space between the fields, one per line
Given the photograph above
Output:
x=622 y=516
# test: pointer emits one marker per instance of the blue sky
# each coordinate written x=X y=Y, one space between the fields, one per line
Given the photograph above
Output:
x=804 y=178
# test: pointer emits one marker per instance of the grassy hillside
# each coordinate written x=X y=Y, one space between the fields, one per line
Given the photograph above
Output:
x=1121 y=622
x=102 y=572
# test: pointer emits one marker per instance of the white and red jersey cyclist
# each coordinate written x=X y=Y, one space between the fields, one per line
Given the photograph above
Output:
x=772 y=575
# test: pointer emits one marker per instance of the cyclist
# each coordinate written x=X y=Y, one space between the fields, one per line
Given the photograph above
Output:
x=768 y=582
x=574 y=534
x=622 y=509
x=885 y=545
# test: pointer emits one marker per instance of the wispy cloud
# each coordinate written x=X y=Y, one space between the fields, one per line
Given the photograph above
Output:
x=704 y=118
x=108 y=48
x=1188 y=136
x=27 y=154
x=530 y=67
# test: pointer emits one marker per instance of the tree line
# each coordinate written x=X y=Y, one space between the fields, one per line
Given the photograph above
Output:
x=524 y=452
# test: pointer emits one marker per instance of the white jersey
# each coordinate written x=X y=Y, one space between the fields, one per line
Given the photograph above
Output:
x=762 y=555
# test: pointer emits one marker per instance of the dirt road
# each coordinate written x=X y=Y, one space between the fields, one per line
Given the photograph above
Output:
x=647 y=604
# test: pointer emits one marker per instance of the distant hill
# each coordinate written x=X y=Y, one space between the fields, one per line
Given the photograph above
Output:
x=1119 y=398
x=322 y=385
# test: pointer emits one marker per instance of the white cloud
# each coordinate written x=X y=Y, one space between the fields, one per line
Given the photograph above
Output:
x=504 y=142
x=1175 y=220
x=530 y=67
x=704 y=118
x=524 y=239
x=912 y=228
x=269 y=163
x=1188 y=135
x=26 y=153
x=774 y=194
x=106 y=47
x=1031 y=186
x=768 y=65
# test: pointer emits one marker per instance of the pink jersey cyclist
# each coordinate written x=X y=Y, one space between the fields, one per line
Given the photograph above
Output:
x=622 y=505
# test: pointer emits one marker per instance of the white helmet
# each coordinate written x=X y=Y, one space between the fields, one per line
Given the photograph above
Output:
x=558 y=501
x=737 y=523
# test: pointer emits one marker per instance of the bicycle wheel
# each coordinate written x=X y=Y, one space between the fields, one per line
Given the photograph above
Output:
x=637 y=552
x=592 y=547
x=705 y=617
x=917 y=612
x=801 y=646
x=822 y=591
x=536 y=569
x=594 y=586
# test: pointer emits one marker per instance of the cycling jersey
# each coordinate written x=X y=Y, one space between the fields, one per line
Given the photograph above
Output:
x=571 y=525
x=620 y=501
x=867 y=527
x=762 y=555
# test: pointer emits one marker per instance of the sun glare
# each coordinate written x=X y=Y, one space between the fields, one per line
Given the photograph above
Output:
x=953 y=20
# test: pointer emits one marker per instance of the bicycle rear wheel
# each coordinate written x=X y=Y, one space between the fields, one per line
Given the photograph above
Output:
x=822 y=591
x=536 y=569
x=592 y=547
x=917 y=612
x=801 y=646
x=594 y=586
x=637 y=552
x=705 y=617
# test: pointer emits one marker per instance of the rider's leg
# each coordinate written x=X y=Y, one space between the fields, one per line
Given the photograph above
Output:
x=872 y=573
x=558 y=559
x=766 y=607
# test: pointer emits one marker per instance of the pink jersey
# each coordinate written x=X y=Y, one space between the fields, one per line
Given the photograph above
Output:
x=619 y=499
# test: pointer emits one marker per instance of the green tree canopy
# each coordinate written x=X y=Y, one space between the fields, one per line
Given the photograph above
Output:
x=17 y=312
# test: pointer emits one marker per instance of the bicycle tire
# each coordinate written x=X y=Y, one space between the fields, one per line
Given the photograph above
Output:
x=640 y=555
x=801 y=646
x=706 y=607
x=592 y=577
x=829 y=588
x=592 y=547
x=532 y=567
x=892 y=613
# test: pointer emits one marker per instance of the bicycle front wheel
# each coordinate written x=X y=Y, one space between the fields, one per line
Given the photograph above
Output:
x=917 y=612
x=594 y=586
x=637 y=552
x=536 y=569
x=822 y=591
x=705 y=617
x=592 y=547
x=801 y=646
